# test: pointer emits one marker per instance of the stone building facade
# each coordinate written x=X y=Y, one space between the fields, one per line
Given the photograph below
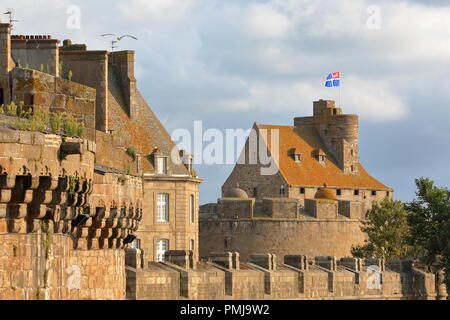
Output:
x=68 y=218
x=312 y=203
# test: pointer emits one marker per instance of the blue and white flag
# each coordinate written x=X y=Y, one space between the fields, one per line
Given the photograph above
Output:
x=333 y=80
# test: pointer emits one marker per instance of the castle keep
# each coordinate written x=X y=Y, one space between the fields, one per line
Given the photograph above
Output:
x=313 y=203
x=109 y=214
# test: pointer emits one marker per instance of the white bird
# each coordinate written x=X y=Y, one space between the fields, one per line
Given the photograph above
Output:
x=117 y=37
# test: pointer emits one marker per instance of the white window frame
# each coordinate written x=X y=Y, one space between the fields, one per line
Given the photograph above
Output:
x=161 y=165
x=162 y=245
x=162 y=207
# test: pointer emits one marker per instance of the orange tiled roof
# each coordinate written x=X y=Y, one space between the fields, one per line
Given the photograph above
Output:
x=309 y=172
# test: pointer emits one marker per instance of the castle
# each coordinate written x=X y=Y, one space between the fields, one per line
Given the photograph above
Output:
x=111 y=215
x=314 y=201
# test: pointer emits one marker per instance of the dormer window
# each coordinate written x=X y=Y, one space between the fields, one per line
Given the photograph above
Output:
x=161 y=165
x=297 y=156
x=320 y=155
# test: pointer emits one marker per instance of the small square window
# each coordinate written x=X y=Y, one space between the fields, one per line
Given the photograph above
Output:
x=356 y=192
x=338 y=192
x=302 y=190
x=374 y=192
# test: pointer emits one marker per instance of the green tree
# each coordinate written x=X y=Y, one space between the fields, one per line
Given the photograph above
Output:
x=387 y=230
x=430 y=225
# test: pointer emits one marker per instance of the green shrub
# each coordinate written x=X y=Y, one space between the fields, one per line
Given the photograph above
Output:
x=131 y=152
x=56 y=122
x=72 y=184
x=80 y=129
x=39 y=119
x=11 y=109
x=70 y=125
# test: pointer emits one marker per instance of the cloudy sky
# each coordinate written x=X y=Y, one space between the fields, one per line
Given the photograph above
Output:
x=230 y=63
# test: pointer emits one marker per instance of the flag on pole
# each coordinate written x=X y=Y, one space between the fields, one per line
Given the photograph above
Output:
x=333 y=80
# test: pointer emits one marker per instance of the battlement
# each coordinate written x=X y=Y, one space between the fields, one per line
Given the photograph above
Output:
x=31 y=37
x=58 y=212
x=223 y=276
x=282 y=208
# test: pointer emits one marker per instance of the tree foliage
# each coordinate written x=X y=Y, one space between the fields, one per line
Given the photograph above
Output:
x=387 y=229
x=430 y=225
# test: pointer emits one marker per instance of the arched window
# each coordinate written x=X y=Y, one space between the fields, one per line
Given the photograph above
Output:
x=162 y=245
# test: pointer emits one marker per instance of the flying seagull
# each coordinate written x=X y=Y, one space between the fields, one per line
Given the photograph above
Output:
x=118 y=38
x=10 y=13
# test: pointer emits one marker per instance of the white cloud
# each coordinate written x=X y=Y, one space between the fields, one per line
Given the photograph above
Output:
x=263 y=21
x=159 y=12
x=371 y=100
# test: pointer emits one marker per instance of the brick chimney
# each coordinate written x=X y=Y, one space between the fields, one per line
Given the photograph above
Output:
x=6 y=63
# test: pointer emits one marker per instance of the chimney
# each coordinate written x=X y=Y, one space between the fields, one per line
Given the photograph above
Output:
x=122 y=63
x=6 y=63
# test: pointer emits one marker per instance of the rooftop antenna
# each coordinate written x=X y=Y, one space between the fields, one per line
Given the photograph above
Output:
x=117 y=39
x=10 y=13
